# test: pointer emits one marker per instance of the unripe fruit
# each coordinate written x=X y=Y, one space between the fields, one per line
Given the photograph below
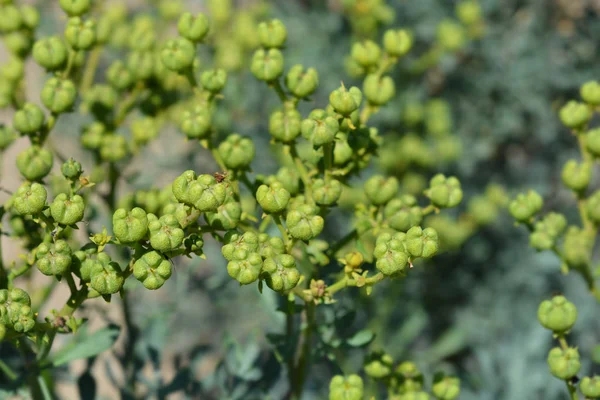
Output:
x=284 y=125
x=391 y=254
x=193 y=28
x=165 y=233
x=247 y=270
x=346 y=388
x=576 y=176
x=526 y=205
x=281 y=273
x=564 y=364
x=267 y=65
x=447 y=388
x=590 y=387
x=304 y=223
x=444 y=192
x=345 y=101
x=152 y=269
x=202 y=192
x=574 y=114
x=590 y=92
x=10 y=18
x=272 y=34
x=29 y=119
x=67 y=211
x=106 y=276
x=113 y=148
x=302 y=83
x=397 y=42
x=558 y=315
x=422 y=242
x=380 y=190
x=53 y=259
x=320 y=128
x=196 y=122
x=379 y=365
x=30 y=199
x=326 y=193
x=273 y=198
x=238 y=246
x=71 y=169
x=366 y=53
x=75 y=7
x=35 y=163
x=214 y=80
x=237 y=151
x=81 y=35
x=130 y=226
x=58 y=95
x=378 y=90
x=178 y=54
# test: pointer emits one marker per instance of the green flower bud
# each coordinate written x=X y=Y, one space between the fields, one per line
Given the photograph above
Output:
x=272 y=34
x=590 y=93
x=267 y=65
x=165 y=233
x=15 y=310
x=270 y=246
x=379 y=365
x=576 y=176
x=92 y=135
x=227 y=217
x=30 y=16
x=302 y=83
x=397 y=42
x=446 y=388
x=81 y=35
x=577 y=247
x=35 y=163
x=141 y=64
x=119 y=76
x=193 y=28
x=346 y=388
x=106 y=276
x=525 y=206
x=178 y=54
x=273 y=198
x=366 y=53
x=380 y=190
x=304 y=223
x=575 y=115
x=196 y=123
x=284 y=125
x=30 y=199
x=53 y=259
x=281 y=273
x=152 y=269
x=238 y=246
x=390 y=253
x=67 y=210
x=113 y=148
x=10 y=18
x=422 y=242
x=290 y=179
x=590 y=387
x=247 y=270
x=564 y=364
x=378 y=89
x=444 y=192
x=320 y=128
x=71 y=169
x=203 y=192
x=75 y=7
x=326 y=193
x=450 y=35
x=558 y=315
x=237 y=151
x=130 y=226
x=58 y=95
x=345 y=101
x=194 y=244
x=7 y=136
x=29 y=119
x=214 y=80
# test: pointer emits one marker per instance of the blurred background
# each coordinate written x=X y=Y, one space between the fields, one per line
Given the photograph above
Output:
x=480 y=100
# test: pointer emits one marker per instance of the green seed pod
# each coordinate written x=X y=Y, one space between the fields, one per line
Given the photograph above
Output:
x=267 y=65
x=378 y=365
x=525 y=206
x=577 y=247
x=75 y=7
x=141 y=64
x=380 y=190
x=15 y=310
x=10 y=18
x=403 y=213
x=564 y=364
x=214 y=80
x=113 y=148
x=592 y=141
x=320 y=128
x=345 y=101
x=196 y=123
x=35 y=163
x=326 y=193
x=144 y=130
x=71 y=169
x=270 y=246
x=444 y=192
x=390 y=253
x=143 y=36
x=119 y=76
x=366 y=53
x=483 y=210
x=152 y=269
x=590 y=93
x=13 y=70
x=590 y=387
x=29 y=119
x=304 y=223
x=91 y=137
x=346 y=388
x=558 y=315
x=227 y=217
x=247 y=270
x=178 y=54
x=30 y=16
x=53 y=259
x=397 y=42
x=106 y=276
x=593 y=207
x=547 y=231
x=238 y=246
x=237 y=152
x=165 y=233
x=576 y=176
x=7 y=136
x=281 y=273
x=412 y=377
x=101 y=99
x=302 y=83
x=19 y=43
x=58 y=95
x=67 y=210
x=290 y=179
x=284 y=125
x=422 y=242
x=185 y=215
x=273 y=198
x=130 y=226
x=378 y=89
x=80 y=34
x=272 y=34
x=193 y=28
x=540 y=240
x=575 y=115
x=30 y=199
x=204 y=193
x=446 y=388
x=450 y=35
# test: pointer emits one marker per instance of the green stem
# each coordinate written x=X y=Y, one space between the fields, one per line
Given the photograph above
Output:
x=3 y=273
x=572 y=391
x=71 y=283
x=279 y=89
x=127 y=104
x=70 y=61
x=90 y=69
x=132 y=335
x=305 y=354
x=10 y=374
x=286 y=239
x=264 y=224
x=46 y=394
x=429 y=209
x=302 y=171
x=328 y=160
